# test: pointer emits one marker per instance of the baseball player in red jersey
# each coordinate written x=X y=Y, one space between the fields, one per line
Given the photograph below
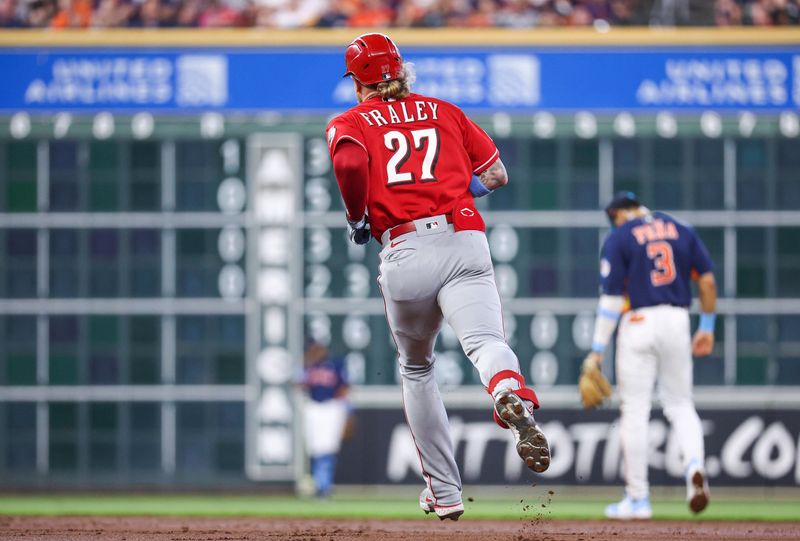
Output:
x=409 y=167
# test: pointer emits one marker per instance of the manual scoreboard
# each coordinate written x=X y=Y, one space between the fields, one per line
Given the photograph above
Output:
x=159 y=275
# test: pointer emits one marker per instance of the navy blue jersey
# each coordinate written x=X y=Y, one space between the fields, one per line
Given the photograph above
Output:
x=325 y=378
x=652 y=260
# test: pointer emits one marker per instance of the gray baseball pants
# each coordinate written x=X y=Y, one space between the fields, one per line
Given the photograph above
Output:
x=427 y=276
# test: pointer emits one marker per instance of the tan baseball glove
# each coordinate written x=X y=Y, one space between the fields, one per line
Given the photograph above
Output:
x=592 y=384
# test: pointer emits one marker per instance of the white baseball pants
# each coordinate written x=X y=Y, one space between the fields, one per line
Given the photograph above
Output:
x=654 y=345
x=324 y=426
x=424 y=278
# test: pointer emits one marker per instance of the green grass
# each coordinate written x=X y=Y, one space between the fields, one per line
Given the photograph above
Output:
x=372 y=507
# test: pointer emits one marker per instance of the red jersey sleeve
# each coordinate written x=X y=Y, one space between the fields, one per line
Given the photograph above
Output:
x=351 y=168
x=342 y=128
x=479 y=146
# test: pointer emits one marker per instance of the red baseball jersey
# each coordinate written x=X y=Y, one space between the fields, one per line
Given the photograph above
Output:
x=422 y=154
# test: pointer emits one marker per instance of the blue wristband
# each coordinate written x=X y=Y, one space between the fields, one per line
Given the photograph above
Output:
x=707 y=322
x=608 y=314
x=477 y=188
x=597 y=347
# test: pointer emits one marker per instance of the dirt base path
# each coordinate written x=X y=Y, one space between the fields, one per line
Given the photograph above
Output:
x=241 y=529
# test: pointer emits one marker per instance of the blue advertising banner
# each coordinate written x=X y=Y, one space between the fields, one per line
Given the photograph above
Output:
x=490 y=78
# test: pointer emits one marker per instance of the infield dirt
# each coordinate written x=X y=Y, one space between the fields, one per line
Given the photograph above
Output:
x=245 y=529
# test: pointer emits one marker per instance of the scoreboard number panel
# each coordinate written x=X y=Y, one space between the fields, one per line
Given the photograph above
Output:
x=274 y=327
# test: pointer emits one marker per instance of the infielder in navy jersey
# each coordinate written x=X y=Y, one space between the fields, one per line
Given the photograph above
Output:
x=326 y=411
x=651 y=258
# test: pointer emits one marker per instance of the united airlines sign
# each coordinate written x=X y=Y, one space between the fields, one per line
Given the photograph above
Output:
x=479 y=78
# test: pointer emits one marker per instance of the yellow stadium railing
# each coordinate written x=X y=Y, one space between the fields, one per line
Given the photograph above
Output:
x=259 y=37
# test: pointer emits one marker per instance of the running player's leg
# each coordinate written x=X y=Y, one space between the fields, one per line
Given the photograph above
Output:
x=414 y=325
x=636 y=373
x=675 y=384
x=471 y=305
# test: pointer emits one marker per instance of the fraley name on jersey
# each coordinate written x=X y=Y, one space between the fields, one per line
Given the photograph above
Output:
x=400 y=114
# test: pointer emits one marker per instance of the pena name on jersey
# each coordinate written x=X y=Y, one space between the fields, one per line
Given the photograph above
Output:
x=423 y=152
x=653 y=260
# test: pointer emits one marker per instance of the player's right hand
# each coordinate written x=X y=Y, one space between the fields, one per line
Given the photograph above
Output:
x=360 y=231
x=702 y=343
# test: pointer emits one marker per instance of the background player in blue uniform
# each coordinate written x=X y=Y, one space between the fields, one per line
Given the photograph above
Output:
x=651 y=258
x=326 y=412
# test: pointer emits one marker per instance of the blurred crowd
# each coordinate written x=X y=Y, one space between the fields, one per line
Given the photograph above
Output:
x=394 y=13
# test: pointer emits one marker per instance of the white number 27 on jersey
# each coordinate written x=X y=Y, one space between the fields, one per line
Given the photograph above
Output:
x=397 y=142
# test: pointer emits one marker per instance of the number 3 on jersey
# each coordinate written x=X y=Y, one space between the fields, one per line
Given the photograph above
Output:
x=663 y=261
x=398 y=143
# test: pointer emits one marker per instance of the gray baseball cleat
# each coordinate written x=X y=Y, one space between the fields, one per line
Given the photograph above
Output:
x=697 y=493
x=452 y=512
x=531 y=444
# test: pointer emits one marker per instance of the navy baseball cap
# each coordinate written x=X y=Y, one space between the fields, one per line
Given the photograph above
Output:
x=621 y=200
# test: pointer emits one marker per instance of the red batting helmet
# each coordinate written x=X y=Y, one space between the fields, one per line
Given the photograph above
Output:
x=373 y=59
